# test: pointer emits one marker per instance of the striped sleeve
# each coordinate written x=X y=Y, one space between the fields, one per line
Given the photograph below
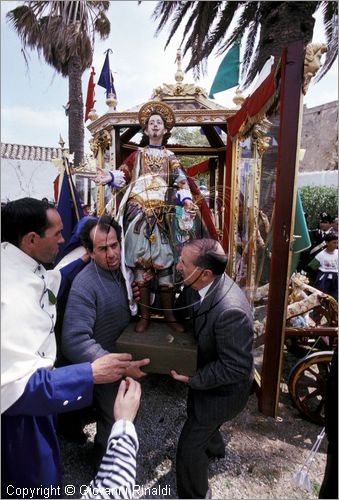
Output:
x=117 y=472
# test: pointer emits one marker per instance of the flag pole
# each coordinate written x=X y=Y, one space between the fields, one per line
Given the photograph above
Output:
x=67 y=170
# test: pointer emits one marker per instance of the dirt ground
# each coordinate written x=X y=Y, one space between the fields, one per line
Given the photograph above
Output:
x=262 y=453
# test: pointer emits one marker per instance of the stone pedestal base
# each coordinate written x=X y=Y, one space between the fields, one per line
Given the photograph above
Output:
x=167 y=350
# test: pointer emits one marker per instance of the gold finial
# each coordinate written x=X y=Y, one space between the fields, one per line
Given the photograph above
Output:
x=238 y=99
x=179 y=88
x=92 y=115
x=61 y=141
x=179 y=75
x=111 y=102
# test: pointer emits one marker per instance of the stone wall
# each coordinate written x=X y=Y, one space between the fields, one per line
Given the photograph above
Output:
x=319 y=137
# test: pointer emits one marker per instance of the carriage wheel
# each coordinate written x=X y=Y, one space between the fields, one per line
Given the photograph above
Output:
x=307 y=385
x=299 y=346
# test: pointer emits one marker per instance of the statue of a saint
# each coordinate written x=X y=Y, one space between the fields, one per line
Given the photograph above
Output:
x=156 y=211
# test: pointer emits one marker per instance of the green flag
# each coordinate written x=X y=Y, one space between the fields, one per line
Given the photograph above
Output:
x=228 y=72
x=302 y=241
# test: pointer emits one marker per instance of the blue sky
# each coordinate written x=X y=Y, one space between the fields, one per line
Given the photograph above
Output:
x=32 y=99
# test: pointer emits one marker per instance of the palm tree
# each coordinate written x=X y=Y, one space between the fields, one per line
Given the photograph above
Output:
x=265 y=28
x=63 y=33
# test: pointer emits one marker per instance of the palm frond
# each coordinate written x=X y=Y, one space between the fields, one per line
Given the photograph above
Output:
x=226 y=16
x=102 y=26
x=60 y=30
x=205 y=14
x=177 y=20
x=249 y=52
x=24 y=22
x=63 y=32
x=248 y=17
x=164 y=10
x=266 y=27
x=190 y=20
x=237 y=33
x=281 y=23
x=330 y=17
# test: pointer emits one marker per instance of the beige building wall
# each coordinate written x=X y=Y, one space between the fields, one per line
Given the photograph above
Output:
x=28 y=171
x=319 y=137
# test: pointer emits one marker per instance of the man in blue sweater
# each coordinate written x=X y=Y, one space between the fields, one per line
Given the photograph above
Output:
x=96 y=314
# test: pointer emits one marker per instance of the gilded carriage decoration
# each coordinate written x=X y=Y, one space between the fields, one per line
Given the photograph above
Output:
x=192 y=108
x=312 y=62
x=252 y=180
x=245 y=233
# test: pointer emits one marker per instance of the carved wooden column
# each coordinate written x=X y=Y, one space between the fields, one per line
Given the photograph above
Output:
x=98 y=146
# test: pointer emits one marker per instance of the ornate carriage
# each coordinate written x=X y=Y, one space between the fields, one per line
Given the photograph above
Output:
x=252 y=170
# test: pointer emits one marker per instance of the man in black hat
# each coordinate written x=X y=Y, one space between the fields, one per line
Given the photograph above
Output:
x=317 y=237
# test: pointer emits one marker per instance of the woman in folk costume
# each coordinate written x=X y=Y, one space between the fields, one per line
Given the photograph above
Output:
x=156 y=185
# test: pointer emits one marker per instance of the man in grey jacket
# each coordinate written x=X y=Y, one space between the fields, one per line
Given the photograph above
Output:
x=219 y=390
x=96 y=314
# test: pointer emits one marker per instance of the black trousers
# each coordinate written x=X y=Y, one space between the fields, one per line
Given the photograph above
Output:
x=197 y=443
x=329 y=486
x=201 y=440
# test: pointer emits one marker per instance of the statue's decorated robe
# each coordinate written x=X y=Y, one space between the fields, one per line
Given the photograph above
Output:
x=152 y=211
